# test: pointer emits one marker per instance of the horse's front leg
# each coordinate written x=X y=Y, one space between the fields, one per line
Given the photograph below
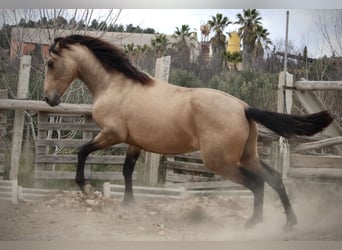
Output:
x=85 y=150
x=101 y=141
x=128 y=168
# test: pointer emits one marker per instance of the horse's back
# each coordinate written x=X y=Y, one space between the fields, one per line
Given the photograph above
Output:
x=218 y=108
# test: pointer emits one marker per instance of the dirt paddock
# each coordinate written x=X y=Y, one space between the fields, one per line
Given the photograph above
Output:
x=70 y=216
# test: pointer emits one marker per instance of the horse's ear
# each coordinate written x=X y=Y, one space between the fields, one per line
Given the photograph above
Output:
x=57 y=46
x=59 y=41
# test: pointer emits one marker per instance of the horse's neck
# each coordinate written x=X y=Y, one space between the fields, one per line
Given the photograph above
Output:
x=95 y=77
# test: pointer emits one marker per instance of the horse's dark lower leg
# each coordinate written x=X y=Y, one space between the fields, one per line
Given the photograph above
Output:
x=256 y=185
x=128 y=168
x=85 y=150
x=273 y=178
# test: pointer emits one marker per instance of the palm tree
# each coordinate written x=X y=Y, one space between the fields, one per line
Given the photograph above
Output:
x=183 y=45
x=141 y=52
x=182 y=32
x=182 y=35
x=249 y=20
x=262 y=41
x=218 y=24
x=159 y=45
x=129 y=48
x=136 y=53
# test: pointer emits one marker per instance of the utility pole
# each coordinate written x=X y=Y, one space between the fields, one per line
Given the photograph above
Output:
x=285 y=60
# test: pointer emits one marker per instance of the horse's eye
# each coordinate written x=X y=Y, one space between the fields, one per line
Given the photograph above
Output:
x=50 y=64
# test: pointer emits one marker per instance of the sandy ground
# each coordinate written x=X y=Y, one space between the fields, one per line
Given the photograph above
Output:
x=70 y=216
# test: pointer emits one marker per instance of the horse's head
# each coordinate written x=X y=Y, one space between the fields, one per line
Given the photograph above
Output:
x=61 y=70
x=81 y=56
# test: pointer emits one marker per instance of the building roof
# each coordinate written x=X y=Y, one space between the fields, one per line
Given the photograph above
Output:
x=46 y=36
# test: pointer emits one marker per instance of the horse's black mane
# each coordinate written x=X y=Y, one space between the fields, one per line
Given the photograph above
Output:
x=110 y=56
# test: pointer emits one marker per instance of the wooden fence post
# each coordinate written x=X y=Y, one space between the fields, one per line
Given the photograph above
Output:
x=3 y=122
x=22 y=91
x=152 y=160
x=106 y=190
x=284 y=106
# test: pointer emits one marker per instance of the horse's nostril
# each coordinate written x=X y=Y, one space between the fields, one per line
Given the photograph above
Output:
x=52 y=101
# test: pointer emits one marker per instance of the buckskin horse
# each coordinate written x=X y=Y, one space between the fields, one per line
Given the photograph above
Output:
x=132 y=107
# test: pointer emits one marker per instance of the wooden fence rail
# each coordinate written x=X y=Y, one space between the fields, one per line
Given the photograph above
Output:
x=318 y=85
x=318 y=144
x=179 y=192
x=63 y=108
x=317 y=167
x=9 y=190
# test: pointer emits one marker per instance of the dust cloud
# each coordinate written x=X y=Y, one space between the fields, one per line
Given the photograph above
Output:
x=318 y=208
x=70 y=216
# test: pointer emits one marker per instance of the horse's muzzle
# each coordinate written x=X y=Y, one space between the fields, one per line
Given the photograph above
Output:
x=53 y=100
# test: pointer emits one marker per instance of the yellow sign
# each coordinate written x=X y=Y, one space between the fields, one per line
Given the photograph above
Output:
x=233 y=42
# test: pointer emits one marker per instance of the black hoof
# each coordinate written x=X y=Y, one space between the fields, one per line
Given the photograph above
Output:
x=289 y=224
x=288 y=227
x=251 y=223
x=128 y=202
x=88 y=191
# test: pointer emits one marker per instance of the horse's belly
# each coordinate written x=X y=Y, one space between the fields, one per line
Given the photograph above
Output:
x=164 y=141
x=169 y=149
x=165 y=128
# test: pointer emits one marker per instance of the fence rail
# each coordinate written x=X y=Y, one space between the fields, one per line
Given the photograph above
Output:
x=64 y=108
x=318 y=85
x=30 y=194
x=9 y=190
x=318 y=144
x=323 y=168
x=179 y=191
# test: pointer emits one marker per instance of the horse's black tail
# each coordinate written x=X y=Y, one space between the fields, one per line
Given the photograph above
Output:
x=289 y=125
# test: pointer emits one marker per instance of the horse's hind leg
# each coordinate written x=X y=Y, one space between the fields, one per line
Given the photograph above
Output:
x=254 y=179
x=256 y=184
x=251 y=179
x=128 y=168
x=242 y=175
x=273 y=178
